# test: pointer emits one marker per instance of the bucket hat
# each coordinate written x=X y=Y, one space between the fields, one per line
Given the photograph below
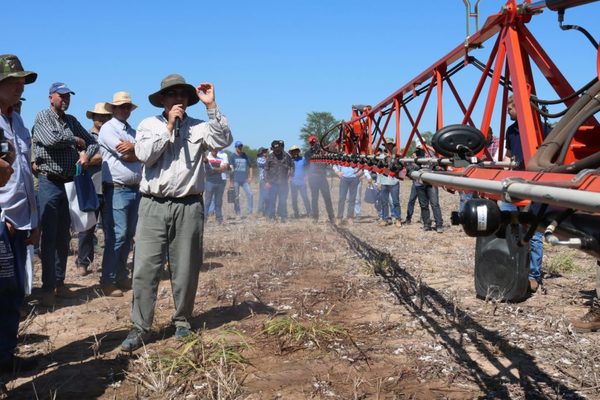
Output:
x=172 y=81
x=10 y=67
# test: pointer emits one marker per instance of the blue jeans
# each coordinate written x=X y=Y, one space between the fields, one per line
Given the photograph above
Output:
x=249 y=198
x=318 y=183
x=263 y=196
x=428 y=195
x=278 y=193
x=55 y=228
x=357 y=203
x=412 y=199
x=348 y=187
x=536 y=247
x=213 y=196
x=10 y=303
x=393 y=192
x=378 y=206
x=304 y=194
x=120 y=219
x=85 y=241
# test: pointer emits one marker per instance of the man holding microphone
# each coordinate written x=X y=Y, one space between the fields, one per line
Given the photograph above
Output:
x=171 y=148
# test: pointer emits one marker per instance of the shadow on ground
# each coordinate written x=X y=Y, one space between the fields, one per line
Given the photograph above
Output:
x=404 y=286
x=78 y=370
x=83 y=370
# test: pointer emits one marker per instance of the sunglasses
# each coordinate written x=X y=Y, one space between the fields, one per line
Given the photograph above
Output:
x=176 y=93
x=102 y=117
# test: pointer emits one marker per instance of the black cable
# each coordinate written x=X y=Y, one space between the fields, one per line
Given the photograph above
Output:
x=564 y=215
x=561 y=18
x=422 y=89
x=588 y=85
x=534 y=224
x=546 y=114
x=481 y=66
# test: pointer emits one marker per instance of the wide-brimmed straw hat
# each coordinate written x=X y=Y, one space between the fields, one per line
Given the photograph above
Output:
x=121 y=98
x=170 y=82
x=99 y=109
x=10 y=67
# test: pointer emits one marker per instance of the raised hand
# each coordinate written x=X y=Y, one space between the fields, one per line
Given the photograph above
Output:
x=206 y=93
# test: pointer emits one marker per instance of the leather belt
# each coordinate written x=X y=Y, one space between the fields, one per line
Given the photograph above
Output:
x=121 y=186
x=190 y=197
x=55 y=177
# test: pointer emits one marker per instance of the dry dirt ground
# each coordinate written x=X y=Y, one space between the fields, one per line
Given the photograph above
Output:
x=299 y=310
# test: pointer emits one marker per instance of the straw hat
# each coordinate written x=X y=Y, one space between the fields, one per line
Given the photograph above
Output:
x=121 y=98
x=99 y=109
x=294 y=147
x=171 y=81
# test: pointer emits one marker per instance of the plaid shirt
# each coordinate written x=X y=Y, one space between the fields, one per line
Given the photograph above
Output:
x=278 y=169
x=492 y=148
x=55 y=148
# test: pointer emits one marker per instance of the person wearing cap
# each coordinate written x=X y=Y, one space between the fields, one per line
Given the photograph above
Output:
x=389 y=188
x=298 y=182
x=261 y=162
x=18 y=204
x=85 y=240
x=121 y=176
x=278 y=170
x=171 y=147
x=60 y=142
x=317 y=181
x=241 y=176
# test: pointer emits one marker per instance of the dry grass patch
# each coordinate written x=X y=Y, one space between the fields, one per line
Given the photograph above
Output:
x=294 y=332
x=201 y=368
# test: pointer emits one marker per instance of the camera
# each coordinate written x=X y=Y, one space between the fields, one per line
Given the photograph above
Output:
x=4 y=144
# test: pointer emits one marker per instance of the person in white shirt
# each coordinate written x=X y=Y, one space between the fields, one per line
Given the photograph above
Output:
x=121 y=175
x=171 y=147
x=216 y=165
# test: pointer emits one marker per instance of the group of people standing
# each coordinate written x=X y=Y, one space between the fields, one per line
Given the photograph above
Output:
x=151 y=182
x=282 y=173
x=279 y=174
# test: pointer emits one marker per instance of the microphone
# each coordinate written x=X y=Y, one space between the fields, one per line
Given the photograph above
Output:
x=177 y=125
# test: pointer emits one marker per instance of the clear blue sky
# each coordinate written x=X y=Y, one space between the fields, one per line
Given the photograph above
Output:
x=271 y=61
